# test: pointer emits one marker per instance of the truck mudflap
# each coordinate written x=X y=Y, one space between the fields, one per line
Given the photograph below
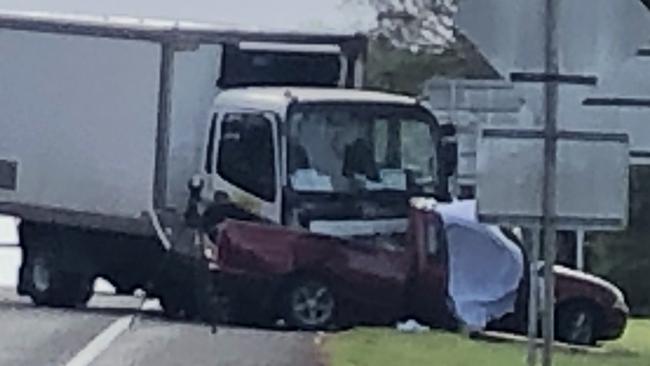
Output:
x=187 y=289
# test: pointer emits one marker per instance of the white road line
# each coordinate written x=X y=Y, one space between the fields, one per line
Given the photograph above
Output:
x=101 y=342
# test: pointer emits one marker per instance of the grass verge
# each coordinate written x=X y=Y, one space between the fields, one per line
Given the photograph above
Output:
x=387 y=347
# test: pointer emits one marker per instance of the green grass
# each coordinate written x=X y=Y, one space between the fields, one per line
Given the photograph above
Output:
x=385 y=347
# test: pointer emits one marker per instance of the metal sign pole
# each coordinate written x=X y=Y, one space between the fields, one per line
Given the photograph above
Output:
x=580 y=249
x=531 y=236
x=550 y=164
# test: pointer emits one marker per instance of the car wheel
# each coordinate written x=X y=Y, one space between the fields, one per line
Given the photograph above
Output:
x=310 y=305
x=576 y=324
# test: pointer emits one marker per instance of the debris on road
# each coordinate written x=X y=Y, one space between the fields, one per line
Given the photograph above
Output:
x=412 y=326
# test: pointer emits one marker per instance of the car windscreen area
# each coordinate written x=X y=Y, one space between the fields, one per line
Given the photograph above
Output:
x=243 y=68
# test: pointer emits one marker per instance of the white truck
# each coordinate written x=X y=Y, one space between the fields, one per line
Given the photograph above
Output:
x=103 y=121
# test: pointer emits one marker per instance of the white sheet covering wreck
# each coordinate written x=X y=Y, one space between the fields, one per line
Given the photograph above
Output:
x=485 y=266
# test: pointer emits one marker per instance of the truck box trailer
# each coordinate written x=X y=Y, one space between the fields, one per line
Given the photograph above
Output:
x=86 y=87
x=103 y=121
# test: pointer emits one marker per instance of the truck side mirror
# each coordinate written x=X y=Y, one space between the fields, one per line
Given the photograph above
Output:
x=195 y=186
x=192 y=215
x=447 y=130
x=448 y=150
x=447 y=160
x=449 y=157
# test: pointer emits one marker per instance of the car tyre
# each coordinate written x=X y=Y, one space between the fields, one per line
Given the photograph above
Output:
x=309 y=304
x=577 y=324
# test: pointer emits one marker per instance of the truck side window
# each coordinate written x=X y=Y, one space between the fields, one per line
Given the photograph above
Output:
x=415 y=146
x=246 y=154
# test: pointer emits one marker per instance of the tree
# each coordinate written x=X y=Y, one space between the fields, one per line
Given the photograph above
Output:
x=399 y=70
x=417 y=25
x=624 y=257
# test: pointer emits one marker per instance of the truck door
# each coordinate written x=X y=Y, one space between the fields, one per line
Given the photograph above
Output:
x=243 y=161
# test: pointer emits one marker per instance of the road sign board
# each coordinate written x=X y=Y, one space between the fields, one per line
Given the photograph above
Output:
x=471 y=105
x=624 y=98
x=595 y=35
x=592 y=178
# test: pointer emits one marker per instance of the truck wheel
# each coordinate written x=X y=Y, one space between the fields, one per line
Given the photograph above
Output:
x=179 y=305
x=576 y=324
x=309 y=305
x=172 y=306
x=181 y=290
x=49 y=286
x=41 y=281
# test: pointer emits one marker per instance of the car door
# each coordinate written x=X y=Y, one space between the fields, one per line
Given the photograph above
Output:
x=428 y=293
x=373 y=275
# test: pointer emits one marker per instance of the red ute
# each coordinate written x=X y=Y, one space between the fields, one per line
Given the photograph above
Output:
x=315 y=281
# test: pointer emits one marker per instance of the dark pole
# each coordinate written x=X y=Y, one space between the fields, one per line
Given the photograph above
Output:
x=164 y=123
x=550 y=164
x=532 y=241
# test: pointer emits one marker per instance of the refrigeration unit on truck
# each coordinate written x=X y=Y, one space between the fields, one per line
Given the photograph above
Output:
x=104 y=121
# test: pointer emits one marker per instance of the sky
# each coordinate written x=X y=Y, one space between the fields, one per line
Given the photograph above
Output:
x=309 y=15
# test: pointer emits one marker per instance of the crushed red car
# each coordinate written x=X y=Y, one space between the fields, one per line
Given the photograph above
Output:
x=380 y=276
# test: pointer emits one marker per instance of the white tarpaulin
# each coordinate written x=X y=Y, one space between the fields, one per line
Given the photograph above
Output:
x=485 y=267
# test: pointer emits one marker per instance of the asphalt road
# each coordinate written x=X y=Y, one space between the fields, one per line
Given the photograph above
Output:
x=115 y=331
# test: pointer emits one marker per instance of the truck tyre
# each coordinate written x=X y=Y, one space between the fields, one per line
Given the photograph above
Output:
x=179 y=305
x=577 y=324
x=194 y=300
x=48 y=285
x=309 y=304
x=176 y=287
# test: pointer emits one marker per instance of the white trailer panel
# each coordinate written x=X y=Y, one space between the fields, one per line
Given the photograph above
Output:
x=78 y=117
x=194 y=88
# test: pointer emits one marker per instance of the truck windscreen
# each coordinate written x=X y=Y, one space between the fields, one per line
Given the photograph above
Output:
x=243 y=68
x=347 y=147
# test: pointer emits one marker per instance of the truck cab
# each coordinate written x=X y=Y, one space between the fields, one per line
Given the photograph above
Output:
x=317 y=157
x=320 y=160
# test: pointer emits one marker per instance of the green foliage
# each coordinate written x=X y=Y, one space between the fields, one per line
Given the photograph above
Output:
x=416 y=24
x=400 y=70
x=624 y=257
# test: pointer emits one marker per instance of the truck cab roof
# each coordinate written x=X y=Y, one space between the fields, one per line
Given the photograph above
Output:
x=277 y=99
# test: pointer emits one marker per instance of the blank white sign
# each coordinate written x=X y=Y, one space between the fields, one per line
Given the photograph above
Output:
x=592 y=179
